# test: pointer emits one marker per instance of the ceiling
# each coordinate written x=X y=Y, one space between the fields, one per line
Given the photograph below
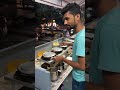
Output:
x=77 y=1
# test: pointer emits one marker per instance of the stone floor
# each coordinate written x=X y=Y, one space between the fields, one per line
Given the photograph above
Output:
x=67 y=84
x=6 y=85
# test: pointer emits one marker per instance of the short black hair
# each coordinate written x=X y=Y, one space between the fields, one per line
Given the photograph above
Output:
x=73 y=8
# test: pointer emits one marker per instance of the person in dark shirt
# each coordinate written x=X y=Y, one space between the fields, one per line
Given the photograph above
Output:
x=105 y=57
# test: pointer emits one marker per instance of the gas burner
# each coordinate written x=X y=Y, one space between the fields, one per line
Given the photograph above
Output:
x=47 y=56
x=57 y=50
x=24 y=77
x=49 y=60
x=46 y=59
x=64 y=47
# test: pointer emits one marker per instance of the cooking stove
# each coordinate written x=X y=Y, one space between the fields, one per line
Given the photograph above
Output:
x=64 y=53
x=56 y=68
x=44 y=78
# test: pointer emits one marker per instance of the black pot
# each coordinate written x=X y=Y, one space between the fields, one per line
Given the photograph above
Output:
x=57 y=52
x=46 y=58
x=24 y=77
x=45 y=65
x=27 y=69
x=64 y=47
x=23 y=73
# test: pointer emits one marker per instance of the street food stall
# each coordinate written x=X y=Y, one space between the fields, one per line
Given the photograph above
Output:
x=50 y=73
x=42 y=73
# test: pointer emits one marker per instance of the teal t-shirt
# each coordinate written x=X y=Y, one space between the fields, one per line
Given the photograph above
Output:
x=79 y=50
x=109 y=42
x=106 y=46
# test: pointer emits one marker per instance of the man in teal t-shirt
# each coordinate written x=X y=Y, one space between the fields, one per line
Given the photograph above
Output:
x=79 y=50
x=72 y=16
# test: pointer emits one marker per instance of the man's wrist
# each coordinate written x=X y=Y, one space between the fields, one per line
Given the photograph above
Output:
x=70 y=44
x=64 y=59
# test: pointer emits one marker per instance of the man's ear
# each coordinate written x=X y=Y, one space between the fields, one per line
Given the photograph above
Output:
x=78 y=17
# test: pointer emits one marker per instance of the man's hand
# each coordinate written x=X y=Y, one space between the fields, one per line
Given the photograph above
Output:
x=66 y=43
x=58 y=58
x=63 y=44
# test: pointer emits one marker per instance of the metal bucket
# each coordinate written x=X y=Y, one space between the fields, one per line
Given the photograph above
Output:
x=54 y=73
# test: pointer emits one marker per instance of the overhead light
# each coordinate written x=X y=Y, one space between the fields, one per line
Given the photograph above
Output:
x=73 y=1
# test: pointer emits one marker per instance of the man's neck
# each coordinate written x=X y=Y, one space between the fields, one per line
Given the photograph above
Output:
x=79 y=27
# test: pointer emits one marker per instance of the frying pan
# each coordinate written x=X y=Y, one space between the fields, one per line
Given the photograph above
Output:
x=48 y=55
x=57 y=50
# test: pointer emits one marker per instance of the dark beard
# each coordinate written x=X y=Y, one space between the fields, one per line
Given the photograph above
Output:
x=74 y=27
